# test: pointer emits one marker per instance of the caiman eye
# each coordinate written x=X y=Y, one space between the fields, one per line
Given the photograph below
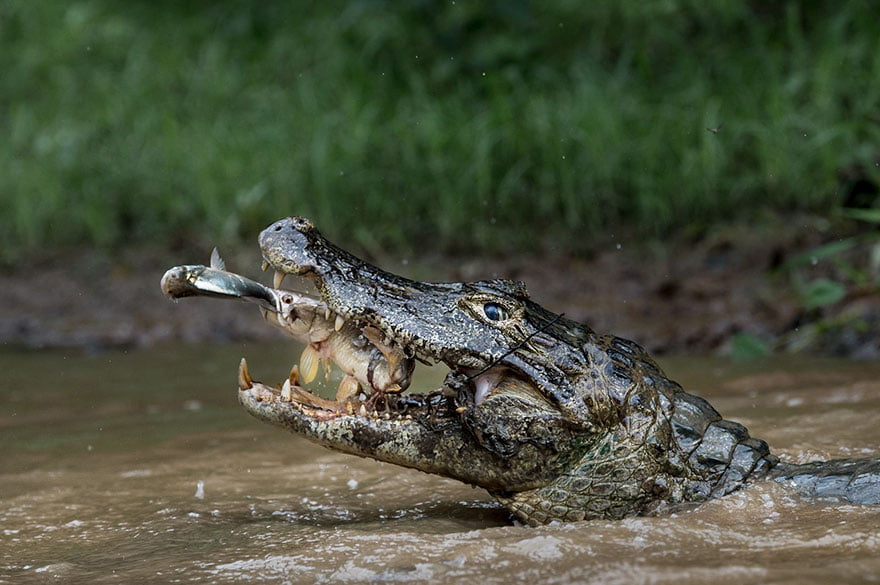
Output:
x=495 y=312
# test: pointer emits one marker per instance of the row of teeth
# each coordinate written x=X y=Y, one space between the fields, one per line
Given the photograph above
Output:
x=278 y=280
x=290 y=387
x=310 y=358
x=339 y=322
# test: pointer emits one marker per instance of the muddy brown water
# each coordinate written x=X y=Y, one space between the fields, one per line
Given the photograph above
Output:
x=141 y=467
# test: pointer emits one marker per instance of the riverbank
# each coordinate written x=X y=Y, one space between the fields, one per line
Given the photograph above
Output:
x=738 y=291
x=453 y=123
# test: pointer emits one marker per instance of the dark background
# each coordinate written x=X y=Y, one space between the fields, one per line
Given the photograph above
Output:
x=625 y=148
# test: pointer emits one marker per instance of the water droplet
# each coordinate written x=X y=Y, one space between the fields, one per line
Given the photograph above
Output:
x=192 y=405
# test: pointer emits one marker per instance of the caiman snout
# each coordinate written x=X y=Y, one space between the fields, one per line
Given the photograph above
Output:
x=371 y=364
x=287 y=244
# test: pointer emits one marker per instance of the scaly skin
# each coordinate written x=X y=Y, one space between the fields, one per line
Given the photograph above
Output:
x=555 y=421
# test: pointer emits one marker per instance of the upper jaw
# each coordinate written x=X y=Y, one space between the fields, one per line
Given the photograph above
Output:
x=366 y=295
x=482 y=375
x=477 y=381
x=292 y=246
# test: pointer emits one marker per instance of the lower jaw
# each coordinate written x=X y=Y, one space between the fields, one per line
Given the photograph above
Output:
x=387 y=406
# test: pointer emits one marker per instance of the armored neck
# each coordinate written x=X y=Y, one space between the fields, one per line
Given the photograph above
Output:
x=718 y=455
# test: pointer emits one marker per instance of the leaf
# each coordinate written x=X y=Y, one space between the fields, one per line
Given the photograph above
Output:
x=821 y=293
x=827 y=251
x=868 y=215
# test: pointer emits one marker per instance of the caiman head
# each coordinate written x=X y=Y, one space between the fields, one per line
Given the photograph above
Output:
x=556 y=422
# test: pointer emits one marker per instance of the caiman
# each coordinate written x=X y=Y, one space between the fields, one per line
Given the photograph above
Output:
x=557 y=422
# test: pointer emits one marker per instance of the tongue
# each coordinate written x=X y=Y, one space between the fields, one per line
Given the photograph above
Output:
x=484 y=384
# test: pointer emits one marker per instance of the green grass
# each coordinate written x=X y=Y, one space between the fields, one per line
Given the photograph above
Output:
x=442 y=124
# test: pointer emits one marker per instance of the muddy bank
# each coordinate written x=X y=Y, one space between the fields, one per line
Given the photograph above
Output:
x=681 y=297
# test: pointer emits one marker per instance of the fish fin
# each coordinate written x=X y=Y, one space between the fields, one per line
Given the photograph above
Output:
x=217 y=262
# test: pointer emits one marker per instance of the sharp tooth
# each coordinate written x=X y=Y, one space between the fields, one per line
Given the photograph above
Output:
x=339 y=322
x=245 y=382
x=285 y=391
x=264 y=266
x=327 y=313
x=308 y=364
x=362 y=410
x=348 y=387
x=278 y=279
x=293 y=377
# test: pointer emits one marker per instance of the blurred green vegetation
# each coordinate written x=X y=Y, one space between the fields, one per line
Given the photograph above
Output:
x=430 y=124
